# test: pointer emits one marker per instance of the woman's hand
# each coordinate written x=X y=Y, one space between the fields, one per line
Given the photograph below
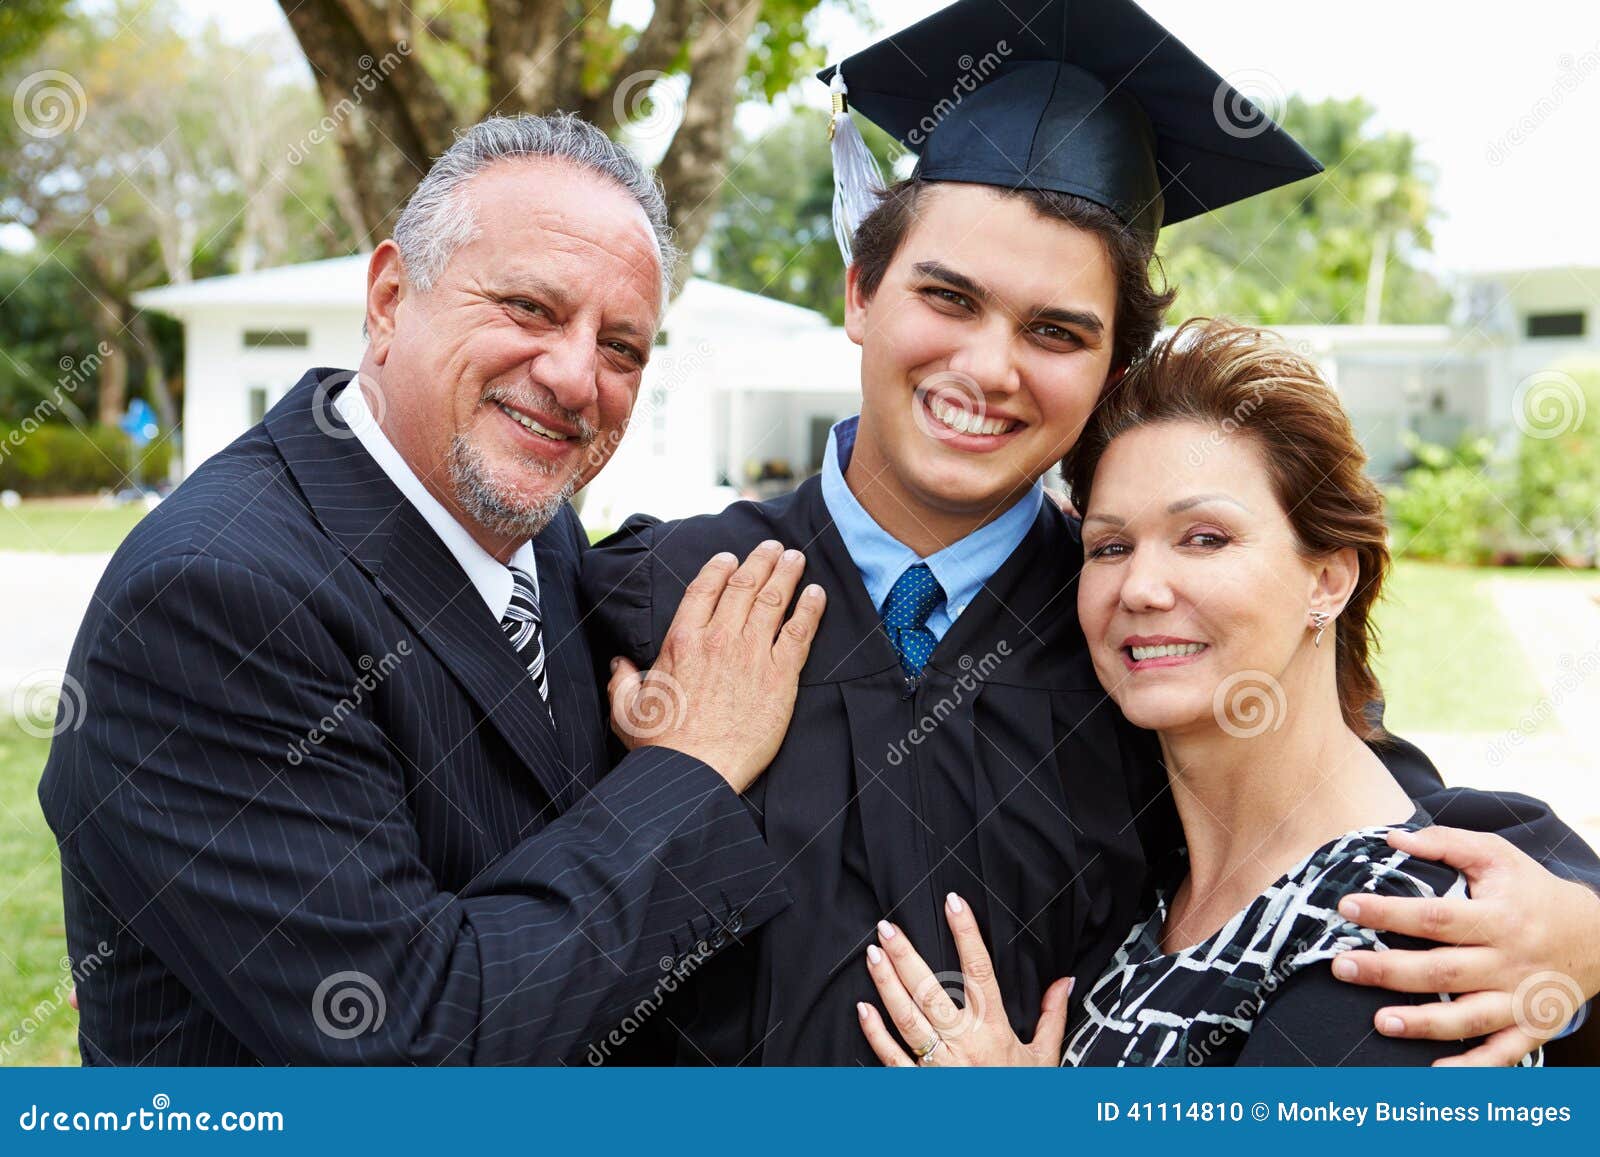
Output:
x=939 y=1033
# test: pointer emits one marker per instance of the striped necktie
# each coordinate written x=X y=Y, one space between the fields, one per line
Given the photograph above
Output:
x=521 y=626
x=905 y=616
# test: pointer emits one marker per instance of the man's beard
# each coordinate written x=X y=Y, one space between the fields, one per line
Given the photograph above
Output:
x=490 y=505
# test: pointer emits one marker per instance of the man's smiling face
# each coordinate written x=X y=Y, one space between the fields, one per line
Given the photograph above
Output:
x=507 y=384
x=984 y=350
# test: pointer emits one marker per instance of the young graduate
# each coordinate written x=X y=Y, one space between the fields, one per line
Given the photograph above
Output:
x=950 y=734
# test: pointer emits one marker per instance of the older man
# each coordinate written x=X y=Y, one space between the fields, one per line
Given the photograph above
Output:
x=336 y=795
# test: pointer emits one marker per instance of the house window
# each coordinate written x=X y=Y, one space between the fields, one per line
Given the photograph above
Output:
x=258 y=403
x=1556 y=324
x=276 y=339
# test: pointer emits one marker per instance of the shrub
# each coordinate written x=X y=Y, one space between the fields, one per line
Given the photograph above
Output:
x=1444 y=507
x=53 y=458
x=1557 y=496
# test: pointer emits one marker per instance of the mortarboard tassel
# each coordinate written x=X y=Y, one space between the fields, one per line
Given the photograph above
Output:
x=857 y=180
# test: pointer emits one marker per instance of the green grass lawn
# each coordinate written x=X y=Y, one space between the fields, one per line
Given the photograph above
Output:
x=37 y=1027
x=1447 y=661
x=67 y=527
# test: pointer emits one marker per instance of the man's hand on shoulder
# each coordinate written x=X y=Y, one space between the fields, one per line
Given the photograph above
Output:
x=1522 y=955
x=723 y=688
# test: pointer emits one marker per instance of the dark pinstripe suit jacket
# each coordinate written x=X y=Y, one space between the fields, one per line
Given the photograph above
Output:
x=316 y=812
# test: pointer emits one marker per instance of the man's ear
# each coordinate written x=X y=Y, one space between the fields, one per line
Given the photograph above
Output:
x=855 y=305
x=386 y=287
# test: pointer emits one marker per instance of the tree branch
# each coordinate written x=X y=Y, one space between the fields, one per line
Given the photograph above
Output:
x=696 y=163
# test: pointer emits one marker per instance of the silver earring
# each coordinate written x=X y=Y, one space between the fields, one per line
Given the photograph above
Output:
x=1319 y=623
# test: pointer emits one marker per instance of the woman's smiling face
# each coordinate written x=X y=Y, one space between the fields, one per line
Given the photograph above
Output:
x=1192 y=574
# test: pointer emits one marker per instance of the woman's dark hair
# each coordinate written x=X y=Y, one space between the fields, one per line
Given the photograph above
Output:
x=1247 y=382
x=1140 y=305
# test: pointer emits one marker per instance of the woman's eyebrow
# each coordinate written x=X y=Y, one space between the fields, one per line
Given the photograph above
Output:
x=1196 y=500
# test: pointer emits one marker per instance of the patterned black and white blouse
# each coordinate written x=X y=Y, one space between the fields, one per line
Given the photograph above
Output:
x=1260 y=990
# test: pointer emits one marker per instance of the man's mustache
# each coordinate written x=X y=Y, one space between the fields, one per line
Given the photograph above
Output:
x=544 y=407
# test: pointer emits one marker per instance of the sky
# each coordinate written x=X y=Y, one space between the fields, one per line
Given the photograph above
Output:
x=1503 y=99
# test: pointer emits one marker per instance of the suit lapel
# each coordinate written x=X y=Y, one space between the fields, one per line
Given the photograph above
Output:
x=389 y=538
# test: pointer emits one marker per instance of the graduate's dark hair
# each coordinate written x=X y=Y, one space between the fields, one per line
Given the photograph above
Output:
x=1247 y=382
x=1141 y=306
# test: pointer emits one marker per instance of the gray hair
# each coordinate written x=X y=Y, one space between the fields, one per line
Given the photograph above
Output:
x=439 y=218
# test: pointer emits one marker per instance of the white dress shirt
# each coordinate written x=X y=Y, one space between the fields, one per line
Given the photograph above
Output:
x=488 y=574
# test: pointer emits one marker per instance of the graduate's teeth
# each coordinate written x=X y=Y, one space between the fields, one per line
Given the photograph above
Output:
x=529 y=424
x=963 y=421
x=1163 y=650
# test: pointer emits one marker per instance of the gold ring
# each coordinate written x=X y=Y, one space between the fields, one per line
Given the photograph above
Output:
x=928 y=1049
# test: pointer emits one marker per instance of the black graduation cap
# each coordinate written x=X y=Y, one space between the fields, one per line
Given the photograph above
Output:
x=1089 y=97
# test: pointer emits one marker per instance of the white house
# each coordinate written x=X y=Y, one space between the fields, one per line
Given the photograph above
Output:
x=740 y=388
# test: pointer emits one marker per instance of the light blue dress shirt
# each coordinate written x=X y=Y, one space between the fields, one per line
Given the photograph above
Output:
x=961 y=568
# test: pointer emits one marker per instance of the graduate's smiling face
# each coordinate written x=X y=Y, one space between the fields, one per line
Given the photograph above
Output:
x=507 y=382
x=984 y=349
x=1193 y=585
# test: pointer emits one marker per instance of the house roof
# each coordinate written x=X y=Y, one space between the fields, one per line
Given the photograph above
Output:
x=341 y=283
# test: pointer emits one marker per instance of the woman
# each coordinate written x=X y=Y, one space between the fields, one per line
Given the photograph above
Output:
x=1233 y=551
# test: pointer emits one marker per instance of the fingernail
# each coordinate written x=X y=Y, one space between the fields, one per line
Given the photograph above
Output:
x=1071 y=984
x=1392 y=1025
x=771 y=544
x=874 y=954
x=1350 y=908
x=861 y=1011
x=615 y=663
x=791 y=556
x=885 y=930
x=814 y=590
x=953 y=902
x=724 y=556
x=1344 y=969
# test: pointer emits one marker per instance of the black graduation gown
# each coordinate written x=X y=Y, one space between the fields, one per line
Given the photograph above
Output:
x=1006 y=775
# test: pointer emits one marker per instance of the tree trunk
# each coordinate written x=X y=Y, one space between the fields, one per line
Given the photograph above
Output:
x=1376 y=268
x=388 y=115
x=696 y=163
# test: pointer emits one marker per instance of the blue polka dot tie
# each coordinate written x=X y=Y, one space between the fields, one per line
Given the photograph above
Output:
x=905 y=616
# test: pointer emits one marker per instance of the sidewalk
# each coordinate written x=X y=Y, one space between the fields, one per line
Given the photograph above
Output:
x=44 y=597
x=1553 y=753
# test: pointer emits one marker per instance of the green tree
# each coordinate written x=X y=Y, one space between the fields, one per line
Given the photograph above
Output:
x=441 y=64
x=1339 y=248
x=774 y=232
x=145 y=156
